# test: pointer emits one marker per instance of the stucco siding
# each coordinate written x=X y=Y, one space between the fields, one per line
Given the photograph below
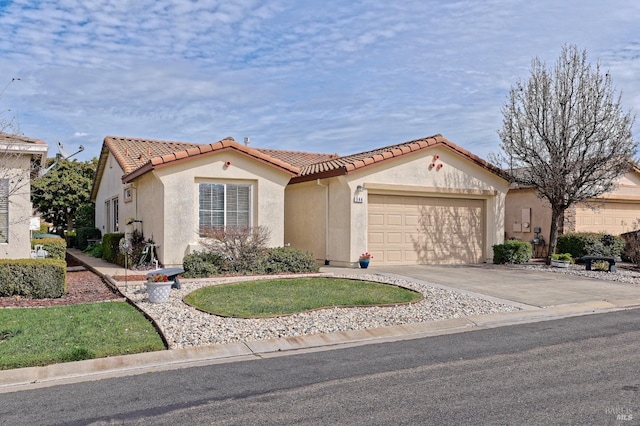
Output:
x=411 y=175
x=305 y=225
x=175 y=226
x=18 y=245
x=110 y=187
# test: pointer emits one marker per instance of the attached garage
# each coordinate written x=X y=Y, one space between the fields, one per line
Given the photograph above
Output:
x=417 y=229
x=611 y=217
x=427 y=201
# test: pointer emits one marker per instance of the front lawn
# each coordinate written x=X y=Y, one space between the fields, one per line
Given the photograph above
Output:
x=268 y=298
x=41 y=336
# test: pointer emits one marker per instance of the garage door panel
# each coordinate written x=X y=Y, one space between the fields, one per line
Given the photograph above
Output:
x=376 y=238
x=613 y=217
x=376 y=219
x=426 y=229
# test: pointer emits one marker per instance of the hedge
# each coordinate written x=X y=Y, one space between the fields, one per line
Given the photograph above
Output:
x=33 y=278
x=110 y=244
x=277 y=260
x=512 y=251
x=580 y=244
x=56 y=248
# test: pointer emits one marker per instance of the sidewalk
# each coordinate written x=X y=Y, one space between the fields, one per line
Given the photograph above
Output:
x=540 y=295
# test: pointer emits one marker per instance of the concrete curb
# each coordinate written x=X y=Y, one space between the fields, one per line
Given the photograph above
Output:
x=128 y=365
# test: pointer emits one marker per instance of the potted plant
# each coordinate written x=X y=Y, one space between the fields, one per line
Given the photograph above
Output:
x=561 y=260
x=364 y=260
x=158 y=288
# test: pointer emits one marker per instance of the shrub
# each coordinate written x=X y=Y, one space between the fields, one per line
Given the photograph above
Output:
x=563 y=257
x=110 y=245
x=202 y=265
x=33 y=278
x=590 y=244
x=56 y=248
x=277 y=260
x=95 y=250
x=287 y=259
x=243 y=248
x=87 y=233
x=512 y=251
x=631 y=250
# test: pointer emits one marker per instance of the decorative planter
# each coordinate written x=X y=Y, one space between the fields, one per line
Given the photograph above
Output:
x=158 y=292
x=364 y=263
x=560 y=263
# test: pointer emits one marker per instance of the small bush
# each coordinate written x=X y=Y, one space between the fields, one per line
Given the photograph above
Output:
x=512 y=251
x=631 y=250
x=110 y=245
x=590 y=244
x=95 y=250
x=563 y=257
x=56 y=248
x=203 y=265
x=278 y=260
x=287 y=259
x=243 y=248
x=33 y=278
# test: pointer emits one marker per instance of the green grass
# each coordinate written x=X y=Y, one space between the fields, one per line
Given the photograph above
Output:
x=268 y=298
x=41 y=336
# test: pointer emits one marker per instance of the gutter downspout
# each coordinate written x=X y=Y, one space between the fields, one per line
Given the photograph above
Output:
x=326 y=222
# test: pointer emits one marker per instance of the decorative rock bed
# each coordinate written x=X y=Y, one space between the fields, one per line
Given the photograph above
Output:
x=184 y=326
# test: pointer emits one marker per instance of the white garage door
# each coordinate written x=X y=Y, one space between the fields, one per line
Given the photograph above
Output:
x=611 y=218
x=409 y=230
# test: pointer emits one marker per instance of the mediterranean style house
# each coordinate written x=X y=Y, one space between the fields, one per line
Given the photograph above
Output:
x=20 y=160
x=422 y=201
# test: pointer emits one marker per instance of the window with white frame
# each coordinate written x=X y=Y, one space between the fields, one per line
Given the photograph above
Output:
x=111 y=207
x=4 y=210
x=222 y=205
x=115 y=223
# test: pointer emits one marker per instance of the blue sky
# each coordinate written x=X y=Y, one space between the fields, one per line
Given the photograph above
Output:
x=310 y=75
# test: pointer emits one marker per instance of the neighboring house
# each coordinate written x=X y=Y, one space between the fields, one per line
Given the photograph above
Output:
x=20 y=160
x=614 y=213
x=423 y=201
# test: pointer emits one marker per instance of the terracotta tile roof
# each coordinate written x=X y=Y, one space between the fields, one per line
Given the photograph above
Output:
x=350 y=163
x=138 y=156
x=297 y=158
x=7 y=138
x=133 y=153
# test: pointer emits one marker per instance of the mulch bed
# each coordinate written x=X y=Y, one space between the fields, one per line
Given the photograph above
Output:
x=82 y=287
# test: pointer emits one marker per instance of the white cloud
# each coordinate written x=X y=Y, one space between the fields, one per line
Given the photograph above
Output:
x=320 y=75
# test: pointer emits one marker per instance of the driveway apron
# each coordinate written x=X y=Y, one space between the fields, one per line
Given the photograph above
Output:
x=532 y=287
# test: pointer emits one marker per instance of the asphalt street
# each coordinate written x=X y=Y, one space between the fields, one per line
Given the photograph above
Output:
x=579 y=370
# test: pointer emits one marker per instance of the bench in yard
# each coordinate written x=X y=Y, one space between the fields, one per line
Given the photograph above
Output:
x=612 y=261
x=171 y=273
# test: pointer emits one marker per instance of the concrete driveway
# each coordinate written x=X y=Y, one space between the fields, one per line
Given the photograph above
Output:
x=518 y=284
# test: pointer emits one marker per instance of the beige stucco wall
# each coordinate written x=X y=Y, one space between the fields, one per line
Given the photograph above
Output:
x=167 y=200
x=110 y=188
x=407 y=175
x=19 y=238
x=626 y=193
x=540 y=216
x=305 y=212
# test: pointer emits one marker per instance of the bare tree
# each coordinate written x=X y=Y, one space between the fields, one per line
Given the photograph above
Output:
x=565 y=133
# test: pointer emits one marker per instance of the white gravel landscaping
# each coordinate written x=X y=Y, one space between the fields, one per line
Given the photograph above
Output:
x=184 y=326
x=625 y=274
